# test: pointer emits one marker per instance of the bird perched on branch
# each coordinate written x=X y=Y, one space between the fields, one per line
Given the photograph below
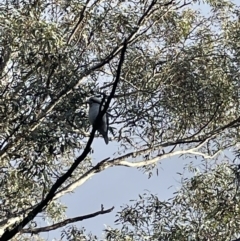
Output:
x=94 y=107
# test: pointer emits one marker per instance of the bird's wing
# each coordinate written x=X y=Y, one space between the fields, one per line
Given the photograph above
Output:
x=105 y=123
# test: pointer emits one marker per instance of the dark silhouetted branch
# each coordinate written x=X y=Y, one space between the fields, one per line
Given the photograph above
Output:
x=77 y=26
x=8 y=234
x=65 y=222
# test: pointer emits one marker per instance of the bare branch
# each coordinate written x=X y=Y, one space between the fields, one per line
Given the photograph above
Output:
x=66 y=221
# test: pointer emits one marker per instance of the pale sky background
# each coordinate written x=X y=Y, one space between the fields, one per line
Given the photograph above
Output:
x=116 y=186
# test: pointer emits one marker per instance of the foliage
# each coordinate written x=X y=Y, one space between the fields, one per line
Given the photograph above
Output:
x=206 y=207
x=178 y=94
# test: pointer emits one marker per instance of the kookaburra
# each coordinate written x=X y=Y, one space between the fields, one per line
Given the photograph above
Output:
x=94 y=106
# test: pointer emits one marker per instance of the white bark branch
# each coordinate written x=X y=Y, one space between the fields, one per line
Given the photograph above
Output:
x=123 y=162
x=9 y=222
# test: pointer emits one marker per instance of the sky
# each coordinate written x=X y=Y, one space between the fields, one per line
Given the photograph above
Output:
x=116 y=186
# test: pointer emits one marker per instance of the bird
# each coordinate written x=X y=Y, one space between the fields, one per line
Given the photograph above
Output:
x=94 y=106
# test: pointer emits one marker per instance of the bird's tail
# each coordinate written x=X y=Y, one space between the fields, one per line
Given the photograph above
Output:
x=105 y=138
x=104 y=135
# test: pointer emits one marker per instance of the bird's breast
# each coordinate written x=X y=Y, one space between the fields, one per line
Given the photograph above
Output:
x=93 y=113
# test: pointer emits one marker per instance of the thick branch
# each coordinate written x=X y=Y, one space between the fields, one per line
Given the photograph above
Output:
x=66 y=221
x=121 y=161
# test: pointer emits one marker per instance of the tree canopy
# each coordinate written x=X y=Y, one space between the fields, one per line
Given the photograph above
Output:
x=169 y=75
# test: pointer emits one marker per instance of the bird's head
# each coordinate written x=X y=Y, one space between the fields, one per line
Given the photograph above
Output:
x=93 y=100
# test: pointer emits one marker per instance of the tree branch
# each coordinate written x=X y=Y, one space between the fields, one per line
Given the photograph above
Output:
x=106 y=163
x=77 y=26
x=66 y=221
x=4 y=57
